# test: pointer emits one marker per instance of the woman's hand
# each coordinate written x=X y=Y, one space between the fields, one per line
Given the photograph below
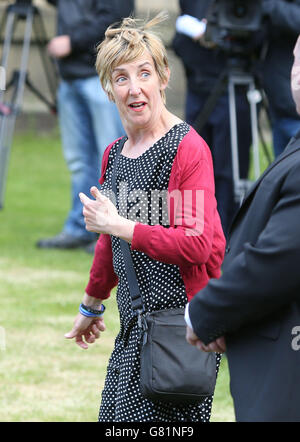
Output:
x=101 y=216
x=86 y=328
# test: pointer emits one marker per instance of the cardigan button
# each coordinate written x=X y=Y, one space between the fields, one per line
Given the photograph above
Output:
x=227 y=249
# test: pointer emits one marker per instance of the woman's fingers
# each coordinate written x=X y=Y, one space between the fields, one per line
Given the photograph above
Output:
x=86 y=332
x=84 y=199
x=90 y=338
x=100 y=324
x=80 y=342
x=96 y=331
x=96 y=194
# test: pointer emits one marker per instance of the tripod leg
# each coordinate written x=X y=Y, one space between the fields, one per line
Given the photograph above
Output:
x=8 y=121
x=242 y=185
x=49 y=65
x=24 y=59
x=10 y=20
x=6 y=131
x=254 y=128
x=4 y=119
x=234 y=137
x=2 y=24
x=38 y=94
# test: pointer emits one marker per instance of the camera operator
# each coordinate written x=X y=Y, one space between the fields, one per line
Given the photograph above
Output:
x=203 y=66
x=283 y=20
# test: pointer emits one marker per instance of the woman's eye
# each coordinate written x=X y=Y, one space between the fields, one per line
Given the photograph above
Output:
x=120 y=79
x=145 y=74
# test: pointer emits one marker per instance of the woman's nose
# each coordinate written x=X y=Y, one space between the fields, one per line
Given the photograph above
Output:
x=134 y=89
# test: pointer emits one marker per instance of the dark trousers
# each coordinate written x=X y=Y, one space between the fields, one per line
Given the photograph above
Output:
x=216 y=133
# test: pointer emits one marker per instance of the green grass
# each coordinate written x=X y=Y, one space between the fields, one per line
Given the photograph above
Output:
x=44 y=377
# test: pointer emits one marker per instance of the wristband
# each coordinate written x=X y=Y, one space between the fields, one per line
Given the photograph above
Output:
x=91 y=312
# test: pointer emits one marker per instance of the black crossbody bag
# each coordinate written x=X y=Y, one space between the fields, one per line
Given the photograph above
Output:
x=171 y=369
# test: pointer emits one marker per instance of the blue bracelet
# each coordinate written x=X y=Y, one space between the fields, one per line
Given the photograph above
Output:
x=90 y=312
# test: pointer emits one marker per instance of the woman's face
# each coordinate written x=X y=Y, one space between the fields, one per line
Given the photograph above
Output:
x=136 y=88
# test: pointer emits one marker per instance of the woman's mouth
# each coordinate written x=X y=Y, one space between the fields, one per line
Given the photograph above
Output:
x=137 y=105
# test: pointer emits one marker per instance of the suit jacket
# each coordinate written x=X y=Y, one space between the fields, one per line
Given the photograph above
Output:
x=256 y=302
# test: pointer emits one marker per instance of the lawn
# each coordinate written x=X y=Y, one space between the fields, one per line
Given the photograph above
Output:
x=43 y=376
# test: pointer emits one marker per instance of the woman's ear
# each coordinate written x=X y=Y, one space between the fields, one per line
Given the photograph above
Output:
x=165 y=83
x=108 y=90
x=111 y=97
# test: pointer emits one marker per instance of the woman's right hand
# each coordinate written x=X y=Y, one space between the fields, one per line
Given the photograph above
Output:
x=86 y=330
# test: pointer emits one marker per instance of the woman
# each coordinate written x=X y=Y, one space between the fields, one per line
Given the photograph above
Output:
x=174 y=255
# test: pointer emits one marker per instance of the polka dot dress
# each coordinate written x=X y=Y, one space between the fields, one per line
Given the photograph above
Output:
x=139 y=183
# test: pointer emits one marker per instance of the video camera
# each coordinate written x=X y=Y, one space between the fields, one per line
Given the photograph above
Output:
x=234 y=25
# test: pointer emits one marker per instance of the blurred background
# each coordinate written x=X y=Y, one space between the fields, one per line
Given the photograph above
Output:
x=44 y=377
x=33 y=109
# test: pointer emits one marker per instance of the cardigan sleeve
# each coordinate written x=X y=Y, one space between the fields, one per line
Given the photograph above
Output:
x=102 y=275
x=189 y=240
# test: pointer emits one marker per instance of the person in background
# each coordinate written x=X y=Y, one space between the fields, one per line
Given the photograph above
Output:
x=203 y=66
x=88 y=120
x=282 y=18
x=253 y=310
x=175 y=251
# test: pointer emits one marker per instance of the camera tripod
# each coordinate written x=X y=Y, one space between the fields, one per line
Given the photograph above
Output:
x=9 y=109
x=235 y=74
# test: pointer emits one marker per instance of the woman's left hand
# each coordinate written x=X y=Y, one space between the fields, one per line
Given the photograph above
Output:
x=100 y=215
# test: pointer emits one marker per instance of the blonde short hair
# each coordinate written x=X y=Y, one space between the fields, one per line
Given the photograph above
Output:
x=126 y=42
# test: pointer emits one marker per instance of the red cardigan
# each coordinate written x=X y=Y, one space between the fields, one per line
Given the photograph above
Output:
x=197 y=250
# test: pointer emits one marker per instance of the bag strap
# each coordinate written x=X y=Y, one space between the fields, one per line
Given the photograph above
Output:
x=136 y=298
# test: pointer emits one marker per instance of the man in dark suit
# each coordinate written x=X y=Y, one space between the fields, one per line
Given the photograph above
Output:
x=253 y=311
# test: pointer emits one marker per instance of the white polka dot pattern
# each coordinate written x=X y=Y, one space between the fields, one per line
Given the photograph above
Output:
x=161 y=286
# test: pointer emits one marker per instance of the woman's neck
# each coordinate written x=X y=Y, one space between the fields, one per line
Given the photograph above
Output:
x=140 y=139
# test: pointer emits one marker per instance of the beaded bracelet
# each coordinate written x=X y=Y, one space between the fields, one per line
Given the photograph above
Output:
x=90 y=312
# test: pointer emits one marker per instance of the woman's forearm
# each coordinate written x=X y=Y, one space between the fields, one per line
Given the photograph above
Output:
x=90 y=301
x=123 y=229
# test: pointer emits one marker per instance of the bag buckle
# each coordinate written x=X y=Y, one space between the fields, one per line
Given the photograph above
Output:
x=141 y=320
x=142 y=323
